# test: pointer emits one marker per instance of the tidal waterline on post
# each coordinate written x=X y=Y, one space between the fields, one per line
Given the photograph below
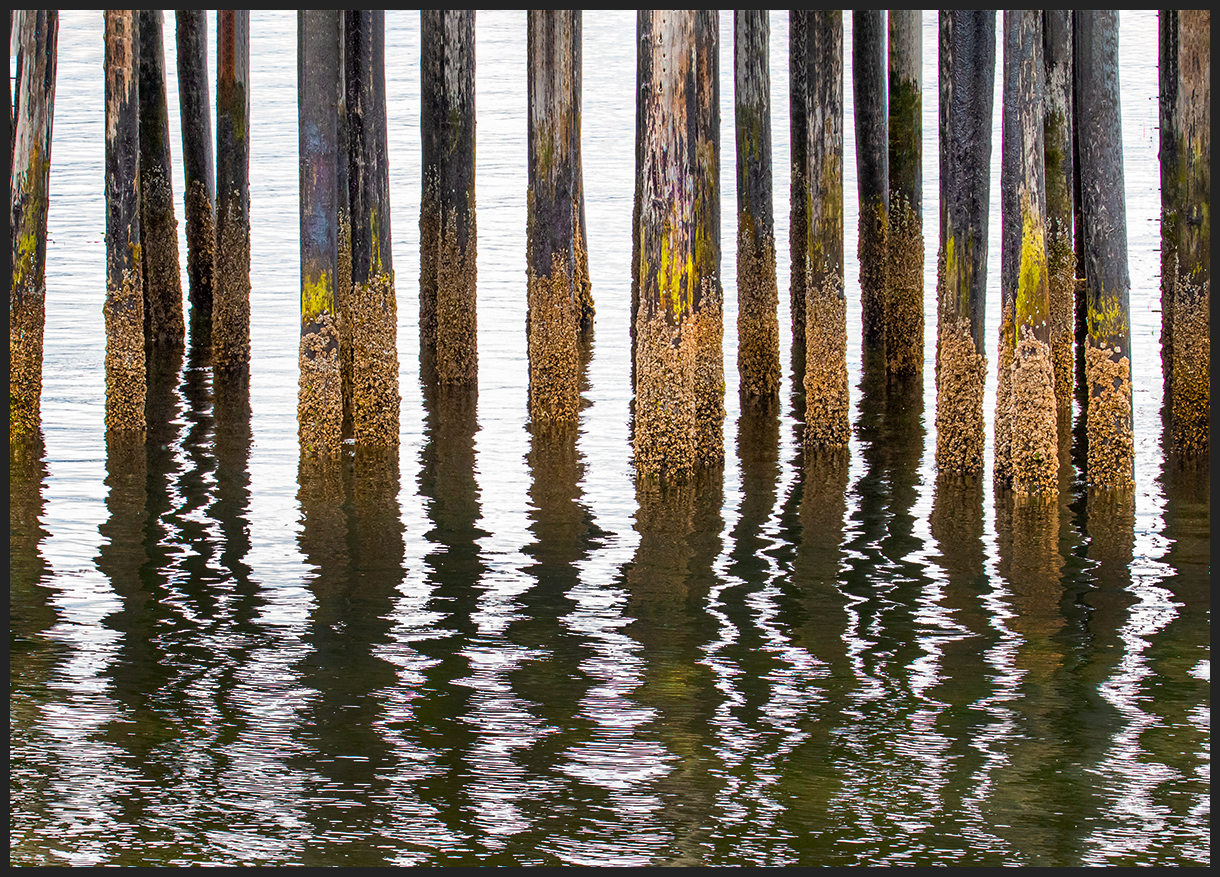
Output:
x=1059 y=165
x=1026 y=442
x=231 y=272
x=447 y=289
x=29 y=180
x=967 y=76
x=904 y=243
x=371 y=310
x=198 y=164
x=1111 y=447
x=126 y=387
x=872 y=173
x=320 y=395
x=679 y=381
x=827 y=414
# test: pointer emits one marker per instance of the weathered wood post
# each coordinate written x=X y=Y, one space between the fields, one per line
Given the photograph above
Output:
x=552 y=320
x=319 y=82
x=904 y=244
x=826 y=395
x=126 y=386
x=679 y=385
x=757 y=289
x=197 y=163
x=1026 y=440
x=231 y=277
x=584 y=284
x=872 y=173
x=1111 y=454
x=372 y=310
x=1185 y=71
x=163 y=322
x=29 y=179
x=1058 y=160
x=967 y=77
x=447 y=318
x=798 y=192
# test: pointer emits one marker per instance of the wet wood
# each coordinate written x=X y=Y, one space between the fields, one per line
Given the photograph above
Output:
x=872 y=173
x=231 y=278
x=33 y=108
x=1058 y=161
x=798 y=193
x=197 y=162
x=904 y=243
x=966 y=80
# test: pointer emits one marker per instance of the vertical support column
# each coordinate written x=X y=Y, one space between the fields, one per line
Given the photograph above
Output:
x=904 y=244
x=1058 y=161
x=967 y=76
x=1186 y=229
x=320 y=399
x=826 y=395
x=551 y=323
x=757 y=288
x=447 y=316
x=1026 y=442
x=231 y=290
x=872 y=173
x=1111 y=454
x=584 y=285
x=372 y=310
x=798 y=193
x=163 y=322
x=343 y=272
x=197 y=162
x=679 y=386
x=29 y=180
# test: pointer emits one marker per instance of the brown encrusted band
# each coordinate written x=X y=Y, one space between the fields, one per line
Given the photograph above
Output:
x=1002 y=468
x=162 y=273
x=552 y=334
x=1035 y=441
x=231 y=294
x=25 y=330
x=126 y=386
x=201 y=249
x=757 y=316
x=904 y=314
x=1190 y=382
x=960 y=373
x=457 y=360
x=1061 y=270
x=1111 y=441
x=827 y=415
x=372 y=319
x=320 y=401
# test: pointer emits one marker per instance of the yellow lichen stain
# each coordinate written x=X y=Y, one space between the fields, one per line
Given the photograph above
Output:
x=1032 y=289
x=317 y=297
x=1110 y=320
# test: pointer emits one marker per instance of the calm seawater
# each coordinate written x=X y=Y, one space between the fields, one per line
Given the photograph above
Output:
x=496 y=646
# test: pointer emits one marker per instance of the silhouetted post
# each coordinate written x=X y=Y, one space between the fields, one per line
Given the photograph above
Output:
x=372 y=310
x=163 y=323
x=904 y=244
x=967 y=76
x=826 y=394
x=30 y=172
x=872 y=172
x=757 y=290
x=584 y=285
x=1060 y=169
x=319 y=82
x=1108 y=354
x=197 y=163
x=126 y=386
x=679 y=385
x=447 y=317
x=1026 y=442
x=231 y=277
x=1185 y=70
x=798 y=193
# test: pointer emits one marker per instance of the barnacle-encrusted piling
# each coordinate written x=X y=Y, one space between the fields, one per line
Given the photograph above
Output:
x=198 y=167
x=126 y=386
x=679 y=382
x=1111 y=448
x=163 y=322
x=231 y=272
x=371 y=311
x=1059 y=163
x=872 y=174
x=757 y=291
x=30 y=172
x=447 y=318
x=967 y=71
x=904 y=244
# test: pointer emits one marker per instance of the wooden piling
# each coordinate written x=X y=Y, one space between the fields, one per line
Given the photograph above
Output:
x=798 y=194
x=967 y=75
x=1111 y=449
x=197 y=163
x=447 y=318
x=231 y=278
x=29 y=178
x=1058 y=161
x=343 y=273
x=553 y=315
x=757 y=289
x=584 y=284
x=163 y=321
x=904 y=244
x=827 y=411
x=679 y=386
x=1186 y=225
x=319 y=83
x=1026 y=442
x=371 y=311
x=872 y=173
x=126 y=386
